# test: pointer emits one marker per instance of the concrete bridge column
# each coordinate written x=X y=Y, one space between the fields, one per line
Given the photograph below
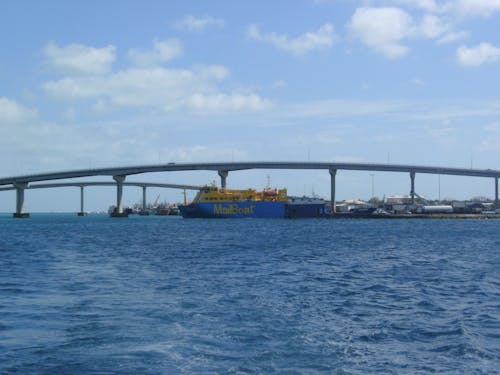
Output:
x=144 y=211
x=20 y=186
x=412 y=189
x=82 y=211
x=223 y=176
x=119 y=197
x=333 y=174
x=497 y=203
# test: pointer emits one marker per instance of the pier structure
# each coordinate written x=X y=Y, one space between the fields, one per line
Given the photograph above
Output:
x=20 y=187
x=412 y=188
x=144 y=208
x=119 y=197
x=82 y=210
x=119 y=174
x=223 y=177
x=333 y=174
x=497 y=203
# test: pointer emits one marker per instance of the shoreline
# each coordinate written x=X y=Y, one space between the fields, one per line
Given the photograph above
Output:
x=416 y=216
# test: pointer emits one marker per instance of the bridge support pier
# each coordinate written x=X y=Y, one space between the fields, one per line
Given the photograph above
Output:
x=333 y=174
x=19 y=214
x=223 y=176
x=412 y=189
x=119 y=197
x=497 y=203
x=82 y=211
x=144 y=211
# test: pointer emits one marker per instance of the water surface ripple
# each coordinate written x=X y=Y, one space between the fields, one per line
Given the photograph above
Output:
x=166 y=295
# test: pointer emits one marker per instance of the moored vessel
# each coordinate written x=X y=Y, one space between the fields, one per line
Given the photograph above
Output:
x=212 y=202
x=306 y=207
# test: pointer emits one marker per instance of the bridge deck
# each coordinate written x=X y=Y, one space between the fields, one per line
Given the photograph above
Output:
x=234 y=166
x=104 y=183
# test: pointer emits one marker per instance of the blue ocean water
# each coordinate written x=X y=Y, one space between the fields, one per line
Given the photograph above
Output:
x=165 y=295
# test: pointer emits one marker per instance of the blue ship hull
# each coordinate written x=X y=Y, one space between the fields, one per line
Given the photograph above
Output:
x=307 y=210
x=247 y=209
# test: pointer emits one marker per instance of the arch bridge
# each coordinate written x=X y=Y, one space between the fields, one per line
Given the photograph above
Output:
x=119 y=174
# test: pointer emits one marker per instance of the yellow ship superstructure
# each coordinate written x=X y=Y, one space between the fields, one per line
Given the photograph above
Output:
x=214 y=194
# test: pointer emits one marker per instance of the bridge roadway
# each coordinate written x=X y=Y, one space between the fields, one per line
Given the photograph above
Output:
x=223 y=168
x=83 y=184
x=106 y=183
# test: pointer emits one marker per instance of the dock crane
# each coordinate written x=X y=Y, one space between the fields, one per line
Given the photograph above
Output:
x=155 y=203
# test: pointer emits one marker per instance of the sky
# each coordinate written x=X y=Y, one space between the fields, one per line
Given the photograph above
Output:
x=112 y=83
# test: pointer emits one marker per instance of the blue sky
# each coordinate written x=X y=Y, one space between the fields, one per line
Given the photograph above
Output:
x=122 y=83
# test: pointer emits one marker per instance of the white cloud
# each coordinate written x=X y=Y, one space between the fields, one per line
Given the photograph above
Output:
x=432 y=26
x=192 y=23
x=482 y=8
x=149 y=85
x=386 y=29
x=427 y=5
x=163 y=51
x=383 y=29
x=461 y=8
x=159 y=88
x=216 y=72
x=453 y=37
x=324 y=37
x=80 y=59
x=12 y=112
x=135 y=87
x=225 y=102
x=478 y=55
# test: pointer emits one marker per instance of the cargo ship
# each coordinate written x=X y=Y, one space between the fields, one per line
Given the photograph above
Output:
x=212 y=202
